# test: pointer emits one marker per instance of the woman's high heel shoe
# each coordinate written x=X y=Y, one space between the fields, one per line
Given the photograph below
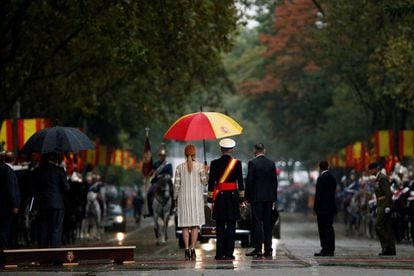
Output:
x=187 y=254
x=193 y=254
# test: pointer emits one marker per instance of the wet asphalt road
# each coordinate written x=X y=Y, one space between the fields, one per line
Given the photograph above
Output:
x=354 y=255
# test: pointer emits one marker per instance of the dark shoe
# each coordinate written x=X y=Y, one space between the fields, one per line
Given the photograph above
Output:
x=187 y=255
x=254 y=253
x=193 y=254
x=268 y=253
x=220 y=258
x=231 y=257
x=323 y=254
x=387 y=253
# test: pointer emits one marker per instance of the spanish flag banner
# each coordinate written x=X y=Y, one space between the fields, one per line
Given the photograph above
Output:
x=406 y=143
x=6 y=135
x=349 y=161
x=117 y=157
x=384 y=145
x=28 y=127
x=103 y=154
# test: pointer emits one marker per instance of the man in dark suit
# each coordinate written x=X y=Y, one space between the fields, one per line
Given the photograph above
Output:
x=226 y=190
x=9 y=198
x=50 y=185
x=261 y=193
x=325 y=209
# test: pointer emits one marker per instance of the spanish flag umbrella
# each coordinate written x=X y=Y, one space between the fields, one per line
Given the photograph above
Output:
x=203 y=126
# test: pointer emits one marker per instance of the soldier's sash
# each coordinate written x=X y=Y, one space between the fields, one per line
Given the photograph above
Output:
x=229 y=168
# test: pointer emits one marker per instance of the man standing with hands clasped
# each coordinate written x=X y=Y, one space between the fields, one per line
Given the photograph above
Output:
x=261 y=193
x=383 y=223
x=325 y=209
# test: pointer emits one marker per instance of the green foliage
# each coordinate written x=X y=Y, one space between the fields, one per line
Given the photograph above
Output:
x=119 y=65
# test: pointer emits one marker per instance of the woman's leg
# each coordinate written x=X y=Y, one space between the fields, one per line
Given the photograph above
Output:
x=186 y=237
x=194 y=236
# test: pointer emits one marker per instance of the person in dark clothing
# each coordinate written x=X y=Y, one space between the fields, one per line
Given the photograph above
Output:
x=383 y=222
x=325 y=209
x=50 y=184
x=261 y=193
x=226 y=191
x=9 y=199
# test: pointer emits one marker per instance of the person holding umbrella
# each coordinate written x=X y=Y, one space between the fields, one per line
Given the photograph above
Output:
x=50 y=183
x=190 y=176
x=226 y=191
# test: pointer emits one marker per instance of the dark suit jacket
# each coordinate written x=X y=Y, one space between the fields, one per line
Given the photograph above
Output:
x=325 y=194
x=50 y=185
x=9 y=190
x=261 y=180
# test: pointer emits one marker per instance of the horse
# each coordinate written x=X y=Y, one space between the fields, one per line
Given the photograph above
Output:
x=92 y=222
x=161 y=204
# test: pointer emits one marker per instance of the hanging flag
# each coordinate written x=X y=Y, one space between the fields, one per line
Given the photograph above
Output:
x=6 y=135
x=406 y=143
x=103 y=155
x=147 y=160
x=349 y=160
x=384 y=145
x=90 y=157
x=358 y=155
x=117 y=157
x=27 y=127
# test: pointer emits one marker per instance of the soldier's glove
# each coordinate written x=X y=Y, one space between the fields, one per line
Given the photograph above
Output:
x=387 y=210
x=210 y=205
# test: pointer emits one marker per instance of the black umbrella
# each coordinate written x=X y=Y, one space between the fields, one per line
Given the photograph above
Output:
x=58 y=139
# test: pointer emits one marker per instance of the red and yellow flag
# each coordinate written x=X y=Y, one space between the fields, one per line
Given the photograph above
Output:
x=6 y=135
x=406 y=143
x=27 y=127
x=384 y=145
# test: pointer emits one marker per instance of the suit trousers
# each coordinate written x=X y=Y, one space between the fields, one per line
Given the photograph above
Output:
x=6 y=224
x=262 y=227
x=326 y=232
x=226 y=236
x=50 y=227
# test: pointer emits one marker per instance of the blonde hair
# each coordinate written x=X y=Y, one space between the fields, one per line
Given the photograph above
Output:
x=189 y=152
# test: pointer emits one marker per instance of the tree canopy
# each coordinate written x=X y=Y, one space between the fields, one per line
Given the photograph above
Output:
x=115 y=64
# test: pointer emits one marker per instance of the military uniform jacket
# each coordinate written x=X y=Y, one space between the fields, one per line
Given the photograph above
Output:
x=383 y=193
x=227 y=203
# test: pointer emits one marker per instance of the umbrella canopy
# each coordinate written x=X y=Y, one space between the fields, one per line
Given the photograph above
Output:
x=57 y=139
x=203 y=126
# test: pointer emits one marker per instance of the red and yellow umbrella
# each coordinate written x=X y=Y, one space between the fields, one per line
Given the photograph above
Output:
x=203 y=126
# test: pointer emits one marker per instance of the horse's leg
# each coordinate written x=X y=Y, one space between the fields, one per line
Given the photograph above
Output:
x=155 y=216
x=167 y=210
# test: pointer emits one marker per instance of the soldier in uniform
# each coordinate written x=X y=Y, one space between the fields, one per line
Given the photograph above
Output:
x=383 y=224
x=161 y=167
x=226 y=191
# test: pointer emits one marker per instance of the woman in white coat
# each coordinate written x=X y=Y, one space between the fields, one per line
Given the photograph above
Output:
x=190 y=177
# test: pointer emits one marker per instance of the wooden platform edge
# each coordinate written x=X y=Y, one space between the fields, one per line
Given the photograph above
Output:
x=66 y=256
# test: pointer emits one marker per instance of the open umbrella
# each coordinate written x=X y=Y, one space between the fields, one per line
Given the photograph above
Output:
x=57 y=139
x=203 y=126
